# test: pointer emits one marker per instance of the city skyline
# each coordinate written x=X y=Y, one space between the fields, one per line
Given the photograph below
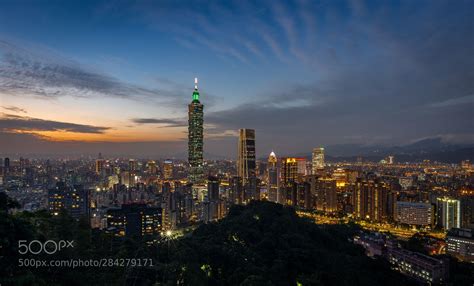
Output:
x=319 y=73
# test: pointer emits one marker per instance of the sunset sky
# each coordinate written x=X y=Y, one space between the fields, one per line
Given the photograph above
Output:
x=105 y=76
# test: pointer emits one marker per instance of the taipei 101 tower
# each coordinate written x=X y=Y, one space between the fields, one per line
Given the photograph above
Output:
x=195 y=138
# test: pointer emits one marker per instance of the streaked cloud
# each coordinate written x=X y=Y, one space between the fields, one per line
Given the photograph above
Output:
x=161 y=121
x=45 y=74
x=14 y=109
x=468 y=99
x=23 y=124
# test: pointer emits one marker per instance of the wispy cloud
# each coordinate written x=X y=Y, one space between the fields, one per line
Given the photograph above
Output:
x=468 y=99
x=23 y=124
x=32 y=73
x=14 y=109
x=161 y=121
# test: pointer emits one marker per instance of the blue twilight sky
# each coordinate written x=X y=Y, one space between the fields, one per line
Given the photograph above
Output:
x=82 y=75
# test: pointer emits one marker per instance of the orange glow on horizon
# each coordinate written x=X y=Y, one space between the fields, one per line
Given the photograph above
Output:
x=109 y=136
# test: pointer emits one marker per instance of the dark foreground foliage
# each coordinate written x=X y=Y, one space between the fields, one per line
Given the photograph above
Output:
x=260 y=244
x=268 y=244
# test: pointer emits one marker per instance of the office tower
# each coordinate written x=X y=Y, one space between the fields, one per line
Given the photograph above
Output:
x=99 y=165
x=467 y=212
x=326 y=195
x=246 y=164
x=169 y=207
x=290 y=193
x=303 y=196
x=195 y=138
x=213 y=188
x=289 y=171
x=370 y=199
x=132 y=166
x=236 y=190
x=168 y=169
x=420 y=214
x=73 y=199
x=134 y=220
x=448 y=213
x=301 y=165
x=211 y=205
x=272 y=179
x=318 y=159
x=460 y=244
x=246 y=155
x=151 y=167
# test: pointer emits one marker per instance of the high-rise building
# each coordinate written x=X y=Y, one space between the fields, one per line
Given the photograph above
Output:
x=303 y=196
x=168 y=169
x=448 y=213
x=134 y=220
x=467 y=212
x=132 y=166
x=195 y=138
x=169 y=206
x=99 y=165
x=370 y=199
x=246 y=161
x=318 y=159
x=213 y=188
x=236 y=190
x=289 y=171
x=151 y=167
x=272 y=179
x=326 y=196
x=74 y=199
x=246 y=164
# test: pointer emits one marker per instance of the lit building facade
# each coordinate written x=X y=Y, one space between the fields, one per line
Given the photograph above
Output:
x=318 y=159
x=195 y=138
x=272 y=178
x=134 y=220
x=421 y=267
x=289 y=171
x=74 y=199
x=460 y=243
x=370 y=199
x=168 y=169
x=246 y=164
x=448 y=213
x=420 y=214
x=326 y=196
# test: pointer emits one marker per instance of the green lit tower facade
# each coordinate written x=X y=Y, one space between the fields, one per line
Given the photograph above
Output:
x=195 y=138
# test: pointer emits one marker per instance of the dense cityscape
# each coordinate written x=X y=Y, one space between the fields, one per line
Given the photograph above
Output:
x=393 y=202
x=250 y=143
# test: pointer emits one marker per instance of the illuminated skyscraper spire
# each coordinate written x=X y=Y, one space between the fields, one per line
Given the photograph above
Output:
x=196 y=92
x=195 y=138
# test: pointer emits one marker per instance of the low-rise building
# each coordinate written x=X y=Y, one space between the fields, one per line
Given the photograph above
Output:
x=460 y=243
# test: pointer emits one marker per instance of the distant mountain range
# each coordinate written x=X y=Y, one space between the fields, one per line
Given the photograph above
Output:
x=433 y=149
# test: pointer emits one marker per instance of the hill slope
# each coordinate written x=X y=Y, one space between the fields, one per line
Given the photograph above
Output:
x=268 y=244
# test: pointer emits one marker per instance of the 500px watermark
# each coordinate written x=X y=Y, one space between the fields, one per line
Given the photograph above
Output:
x=75 y=263
x=49 y=247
